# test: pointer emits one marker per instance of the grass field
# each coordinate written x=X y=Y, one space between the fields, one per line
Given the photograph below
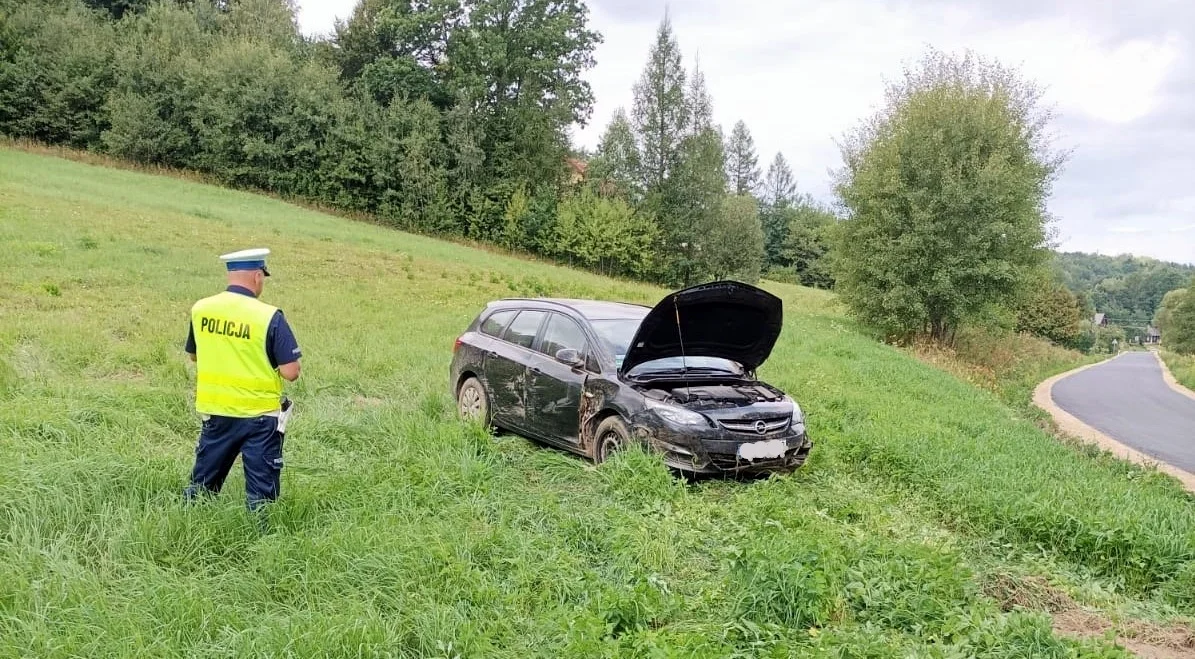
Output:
x=933 y=519
x=1182 y=367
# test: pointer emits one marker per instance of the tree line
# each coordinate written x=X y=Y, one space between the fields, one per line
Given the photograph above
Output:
x=447 y=117
x=1125 y=287
x=451 y=117
x=716 y=215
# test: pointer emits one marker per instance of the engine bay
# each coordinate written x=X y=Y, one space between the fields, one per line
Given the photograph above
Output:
x=713 y=396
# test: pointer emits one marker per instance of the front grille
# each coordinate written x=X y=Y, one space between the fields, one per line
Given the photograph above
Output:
x=725 y=461
x=794 y=456
x=752 y=426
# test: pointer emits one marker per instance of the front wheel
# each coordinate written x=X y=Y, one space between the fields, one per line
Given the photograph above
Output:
x=611 y=435
x=472 y=402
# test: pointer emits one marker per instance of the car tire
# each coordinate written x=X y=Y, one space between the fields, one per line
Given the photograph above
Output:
x=473 y=402
x=611 y=435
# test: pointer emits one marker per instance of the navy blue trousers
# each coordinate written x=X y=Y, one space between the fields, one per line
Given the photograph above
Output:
x=258 y=443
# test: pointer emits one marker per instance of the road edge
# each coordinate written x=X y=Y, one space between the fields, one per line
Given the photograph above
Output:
x=1043 y=397
x=1172 y=381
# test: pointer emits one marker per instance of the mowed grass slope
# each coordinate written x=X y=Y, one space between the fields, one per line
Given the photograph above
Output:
x=403 y=532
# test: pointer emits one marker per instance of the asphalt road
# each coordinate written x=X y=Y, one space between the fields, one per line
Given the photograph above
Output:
x=1128 y=400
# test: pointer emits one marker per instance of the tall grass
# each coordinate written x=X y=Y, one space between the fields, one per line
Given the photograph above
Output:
x=403 y=532
x=1009 y=365
x=1182 y=367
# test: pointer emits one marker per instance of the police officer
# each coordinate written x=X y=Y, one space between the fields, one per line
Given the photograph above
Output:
x=243 y=348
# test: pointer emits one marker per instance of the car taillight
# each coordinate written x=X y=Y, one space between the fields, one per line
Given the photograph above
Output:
x=457 y=344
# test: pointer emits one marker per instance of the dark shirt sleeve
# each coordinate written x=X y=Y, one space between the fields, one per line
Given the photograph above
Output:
x=281 y=346
x=190 y=347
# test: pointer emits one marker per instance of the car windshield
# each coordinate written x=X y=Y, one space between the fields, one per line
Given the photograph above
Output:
x=617 y=335
x=686 y=365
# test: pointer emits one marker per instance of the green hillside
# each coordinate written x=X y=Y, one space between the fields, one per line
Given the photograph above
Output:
x=931 y=520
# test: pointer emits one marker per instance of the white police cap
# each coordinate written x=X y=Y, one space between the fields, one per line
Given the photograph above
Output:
x=247 y=259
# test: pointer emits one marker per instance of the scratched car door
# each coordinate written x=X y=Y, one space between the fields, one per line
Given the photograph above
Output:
x=506 y=368
x=553 y=388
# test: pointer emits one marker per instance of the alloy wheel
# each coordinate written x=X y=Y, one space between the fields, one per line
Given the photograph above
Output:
x=470 y=403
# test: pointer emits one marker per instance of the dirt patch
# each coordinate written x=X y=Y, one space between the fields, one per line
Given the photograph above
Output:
x=1143 y=639
x=1026 y=592
x=367 y=401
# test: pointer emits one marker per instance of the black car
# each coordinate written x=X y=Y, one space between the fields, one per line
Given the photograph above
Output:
x=591 y=377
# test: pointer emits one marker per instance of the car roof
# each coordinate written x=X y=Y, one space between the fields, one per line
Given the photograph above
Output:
x=589 y=309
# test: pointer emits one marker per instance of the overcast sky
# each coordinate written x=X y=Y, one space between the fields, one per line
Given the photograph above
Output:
x=1120 y=73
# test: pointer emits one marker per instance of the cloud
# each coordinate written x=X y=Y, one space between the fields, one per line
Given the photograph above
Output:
x=1121 y=76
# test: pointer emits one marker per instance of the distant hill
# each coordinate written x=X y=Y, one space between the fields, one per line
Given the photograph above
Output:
x=1127 y=288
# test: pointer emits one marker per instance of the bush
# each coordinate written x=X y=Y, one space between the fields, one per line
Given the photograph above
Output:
x=1104 y=337
x=1049 y=310
x=603 y=234
x=149 y=108
x=1180 y=333
x=56 y=68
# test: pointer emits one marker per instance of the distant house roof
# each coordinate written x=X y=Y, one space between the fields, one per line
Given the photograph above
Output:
x=1099 y=319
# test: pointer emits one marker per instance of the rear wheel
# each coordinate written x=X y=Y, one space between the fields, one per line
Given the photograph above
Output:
x=472 y=402
x=611 y=435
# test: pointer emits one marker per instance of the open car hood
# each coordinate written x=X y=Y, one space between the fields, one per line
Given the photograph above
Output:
x=724 y=319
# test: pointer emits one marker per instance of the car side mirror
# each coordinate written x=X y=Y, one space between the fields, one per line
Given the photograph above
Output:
x=570 y=357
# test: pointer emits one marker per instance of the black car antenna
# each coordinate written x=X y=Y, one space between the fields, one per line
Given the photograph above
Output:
x=681 y=338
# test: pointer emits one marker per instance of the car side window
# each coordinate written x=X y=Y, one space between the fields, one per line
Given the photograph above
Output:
x=522 y=331
x=497 y=322
x=562 y=332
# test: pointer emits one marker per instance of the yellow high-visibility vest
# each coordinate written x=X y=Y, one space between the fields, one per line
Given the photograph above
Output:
x=233 y=372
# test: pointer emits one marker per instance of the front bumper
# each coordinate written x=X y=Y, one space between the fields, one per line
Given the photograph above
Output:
x=716 y=451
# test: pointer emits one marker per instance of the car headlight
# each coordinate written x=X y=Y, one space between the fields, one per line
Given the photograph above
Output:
x=677 y=415
x=798 y=415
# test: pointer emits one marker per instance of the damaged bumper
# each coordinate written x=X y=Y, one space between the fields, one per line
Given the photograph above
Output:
x=699 y=450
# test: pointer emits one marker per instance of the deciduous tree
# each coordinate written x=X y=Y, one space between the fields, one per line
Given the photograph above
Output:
x=806 y=242
x=945 y=190
x=1170 y=304
x=1179 y=335
x=733 y=245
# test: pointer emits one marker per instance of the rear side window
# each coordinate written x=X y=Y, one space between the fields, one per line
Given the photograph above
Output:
x=497 y=322
x=522 y=331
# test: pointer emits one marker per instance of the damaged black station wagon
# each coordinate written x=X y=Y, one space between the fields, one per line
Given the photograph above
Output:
x=592 y=377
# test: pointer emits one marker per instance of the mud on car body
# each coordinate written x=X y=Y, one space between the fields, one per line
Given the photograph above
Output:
x=591 y=377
